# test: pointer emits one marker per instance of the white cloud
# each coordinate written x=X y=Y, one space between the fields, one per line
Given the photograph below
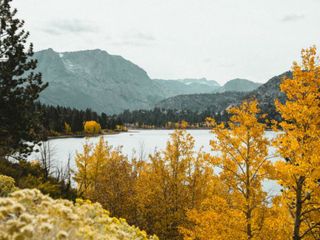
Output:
x=293 y=17
x=74 y=26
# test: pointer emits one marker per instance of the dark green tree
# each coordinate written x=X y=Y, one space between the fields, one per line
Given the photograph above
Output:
x=19 y=86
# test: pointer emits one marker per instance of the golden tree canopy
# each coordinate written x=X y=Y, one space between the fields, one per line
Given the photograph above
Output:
x=92 y=127
x=299 y=144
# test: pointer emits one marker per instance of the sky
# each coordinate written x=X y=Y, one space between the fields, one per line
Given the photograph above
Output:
x=174 y=39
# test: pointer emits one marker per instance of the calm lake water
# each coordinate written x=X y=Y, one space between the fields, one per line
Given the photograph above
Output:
x=143 y=142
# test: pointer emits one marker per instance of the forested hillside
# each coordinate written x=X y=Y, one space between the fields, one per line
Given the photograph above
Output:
x=187 y=86
x=266 y=93
x=216 y=102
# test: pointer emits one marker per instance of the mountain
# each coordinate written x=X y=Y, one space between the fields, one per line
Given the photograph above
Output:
x=199 y=82
x=186 y=86
x=106 y=83
x=200 y=102
x=239 y=85
x=265 y=94
x=95 y=79
x=202 y=85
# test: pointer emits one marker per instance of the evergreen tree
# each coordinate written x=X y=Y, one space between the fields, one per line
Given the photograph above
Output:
x=19 y=86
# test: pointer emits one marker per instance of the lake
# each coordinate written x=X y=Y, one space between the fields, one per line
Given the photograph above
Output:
x=143 y=142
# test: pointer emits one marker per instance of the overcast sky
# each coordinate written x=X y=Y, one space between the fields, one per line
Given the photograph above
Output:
x=170 y=39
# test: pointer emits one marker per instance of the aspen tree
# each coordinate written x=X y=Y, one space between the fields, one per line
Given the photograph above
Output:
x=299 y=146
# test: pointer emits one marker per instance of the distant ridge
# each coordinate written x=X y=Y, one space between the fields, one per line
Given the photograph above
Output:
x=265 y=94
x=216 y=102
x=239 y=85
x=187 y=86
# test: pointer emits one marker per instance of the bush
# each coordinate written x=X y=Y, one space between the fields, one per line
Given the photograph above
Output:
x=28 y=214
x=31 y=175
x=7 y=185
x=92 y=127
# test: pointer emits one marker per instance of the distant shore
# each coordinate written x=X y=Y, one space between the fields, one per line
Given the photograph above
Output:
x=109 y=132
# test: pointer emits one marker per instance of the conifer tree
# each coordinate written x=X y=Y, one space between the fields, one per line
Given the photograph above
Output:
x=19 y=86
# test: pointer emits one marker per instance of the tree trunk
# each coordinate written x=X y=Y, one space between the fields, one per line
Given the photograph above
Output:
x=248 y=196
x=297 y=217
x=249 y=227
x=248 y=191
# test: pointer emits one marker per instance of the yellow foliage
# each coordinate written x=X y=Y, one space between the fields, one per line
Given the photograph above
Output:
x=7 y=185
x=67 y=128
x=278 y=223
x=239 y=212
x=183 y=124
x=104 y=175
x=215 y=220
x=121 y=128
x=180 y=125
x=299 y=145
x=28 y=214
x=84 y=165
x=92 y=127
x=175 y=180
x=154 y=195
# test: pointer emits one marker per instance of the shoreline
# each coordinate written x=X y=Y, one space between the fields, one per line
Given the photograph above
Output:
x=209 y=129
x=132 y=130
x=82 y=135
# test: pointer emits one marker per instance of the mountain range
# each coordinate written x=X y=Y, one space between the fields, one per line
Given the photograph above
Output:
x=187 y=86
x=109 y=83
x=216 y=102
x=266 y=94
